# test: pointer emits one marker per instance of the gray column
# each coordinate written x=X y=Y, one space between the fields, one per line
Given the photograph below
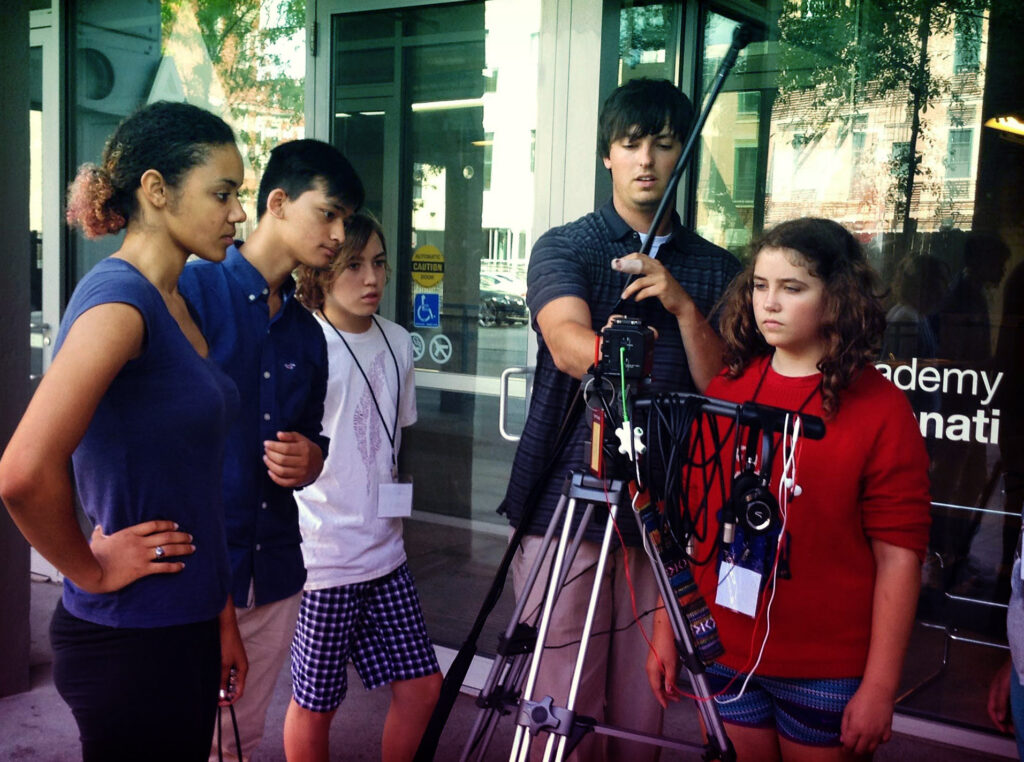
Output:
x=14 y=320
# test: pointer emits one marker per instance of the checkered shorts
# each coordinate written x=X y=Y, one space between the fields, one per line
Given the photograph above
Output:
x=377 y=625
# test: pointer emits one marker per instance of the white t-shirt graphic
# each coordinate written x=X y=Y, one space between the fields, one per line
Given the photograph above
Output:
x=343 y=539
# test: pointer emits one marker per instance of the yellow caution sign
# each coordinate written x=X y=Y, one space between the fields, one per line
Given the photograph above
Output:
x=427 y=266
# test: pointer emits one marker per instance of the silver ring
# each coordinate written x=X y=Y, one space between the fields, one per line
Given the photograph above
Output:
x=159 y=550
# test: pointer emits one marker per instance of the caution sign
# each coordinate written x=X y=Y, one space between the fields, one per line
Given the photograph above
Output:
x=427 y=266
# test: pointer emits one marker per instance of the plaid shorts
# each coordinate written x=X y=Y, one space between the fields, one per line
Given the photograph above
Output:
x=377 y=625
x=808 y=712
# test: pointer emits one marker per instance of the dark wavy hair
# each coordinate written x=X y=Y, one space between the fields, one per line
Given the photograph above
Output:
x=642 y=107
x=853 y=318
x=169 y=137
x=312 y=284
x=301 y=165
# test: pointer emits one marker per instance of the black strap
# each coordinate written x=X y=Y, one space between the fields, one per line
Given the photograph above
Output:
x=220 y=740
x=766 y=465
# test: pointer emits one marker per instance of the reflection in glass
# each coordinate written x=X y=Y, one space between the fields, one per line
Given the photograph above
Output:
x=38 y=333
x=647 y=36
x=241 y=59
x=362 y=133
x=732 y=154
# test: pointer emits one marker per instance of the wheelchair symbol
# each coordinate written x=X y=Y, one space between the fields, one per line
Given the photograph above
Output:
x=426 y=311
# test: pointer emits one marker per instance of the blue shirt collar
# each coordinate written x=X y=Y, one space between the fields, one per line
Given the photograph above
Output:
x=250 y=279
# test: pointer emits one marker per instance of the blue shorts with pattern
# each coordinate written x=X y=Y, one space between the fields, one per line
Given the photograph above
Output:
x=377 y=625
x=805 y=711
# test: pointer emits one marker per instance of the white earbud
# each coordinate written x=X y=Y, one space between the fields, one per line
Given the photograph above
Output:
x=791 y=485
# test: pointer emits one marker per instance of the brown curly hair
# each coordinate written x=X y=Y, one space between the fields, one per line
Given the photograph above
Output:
x=312 y=284
x=853 y=318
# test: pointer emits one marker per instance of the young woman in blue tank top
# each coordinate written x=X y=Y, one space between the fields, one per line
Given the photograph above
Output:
x=144 y=638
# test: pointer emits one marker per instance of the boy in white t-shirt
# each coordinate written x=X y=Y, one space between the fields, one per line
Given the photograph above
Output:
x=359 y=603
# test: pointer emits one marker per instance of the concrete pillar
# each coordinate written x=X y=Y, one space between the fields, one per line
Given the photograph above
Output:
x=568 y=99
x=14 y=320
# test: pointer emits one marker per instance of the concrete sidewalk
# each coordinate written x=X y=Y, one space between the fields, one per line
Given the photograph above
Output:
x=37 y=726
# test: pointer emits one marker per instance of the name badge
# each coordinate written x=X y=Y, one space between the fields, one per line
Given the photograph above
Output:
x=738 y=588
x=394 y=499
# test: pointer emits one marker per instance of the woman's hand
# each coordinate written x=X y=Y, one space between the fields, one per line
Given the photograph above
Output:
x=35 y=482
x=663 y=661
x=233 y=663
x=135 y=552
x=867 y=719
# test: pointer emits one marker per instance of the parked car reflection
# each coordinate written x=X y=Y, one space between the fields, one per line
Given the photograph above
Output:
x=502 y=300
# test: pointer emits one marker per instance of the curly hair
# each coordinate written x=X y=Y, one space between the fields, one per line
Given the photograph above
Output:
x=171 y=138
x=853 y=318
x=312 y=284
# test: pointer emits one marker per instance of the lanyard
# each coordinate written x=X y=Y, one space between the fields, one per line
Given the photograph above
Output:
x=752 y=443
x=398 y=378
x=764 y=374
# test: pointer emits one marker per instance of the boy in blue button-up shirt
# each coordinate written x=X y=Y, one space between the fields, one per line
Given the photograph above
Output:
x=275 y=352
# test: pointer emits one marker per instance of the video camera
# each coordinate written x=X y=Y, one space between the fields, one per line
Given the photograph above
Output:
x=627 y=348
x=627 y=358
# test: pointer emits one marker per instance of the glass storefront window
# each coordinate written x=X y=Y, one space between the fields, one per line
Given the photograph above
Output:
x=732 y=153
x=647 y=41
x=877 y=120
x=241 y=59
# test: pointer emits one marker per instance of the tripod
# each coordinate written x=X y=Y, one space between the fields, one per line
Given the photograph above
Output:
x=521 y=646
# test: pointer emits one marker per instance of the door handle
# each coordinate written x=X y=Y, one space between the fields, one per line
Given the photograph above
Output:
x=503 y=396
x=43 y=329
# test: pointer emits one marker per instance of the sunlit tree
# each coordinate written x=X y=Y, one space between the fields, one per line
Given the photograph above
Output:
x=244 y=40
x=837 y=56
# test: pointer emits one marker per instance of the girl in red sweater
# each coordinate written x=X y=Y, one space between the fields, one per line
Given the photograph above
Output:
x=811 y=668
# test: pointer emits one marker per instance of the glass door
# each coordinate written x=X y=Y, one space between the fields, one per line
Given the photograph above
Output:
x=438 y=117
x=45 y=196
x=44 y=209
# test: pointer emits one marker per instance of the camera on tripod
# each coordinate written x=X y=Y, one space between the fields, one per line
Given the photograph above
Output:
x=627 y=358
x=627 y=347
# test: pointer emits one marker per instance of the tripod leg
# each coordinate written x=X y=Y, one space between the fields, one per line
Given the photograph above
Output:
x=531 y=577
x=588 y=624
x=521 y=741
x=505 y=678
x=502 y=687
x=686 y=643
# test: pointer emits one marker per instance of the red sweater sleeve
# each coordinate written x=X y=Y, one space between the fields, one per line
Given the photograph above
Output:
x=895 y=491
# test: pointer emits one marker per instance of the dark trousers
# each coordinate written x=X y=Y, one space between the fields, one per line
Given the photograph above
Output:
x=139 y=694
